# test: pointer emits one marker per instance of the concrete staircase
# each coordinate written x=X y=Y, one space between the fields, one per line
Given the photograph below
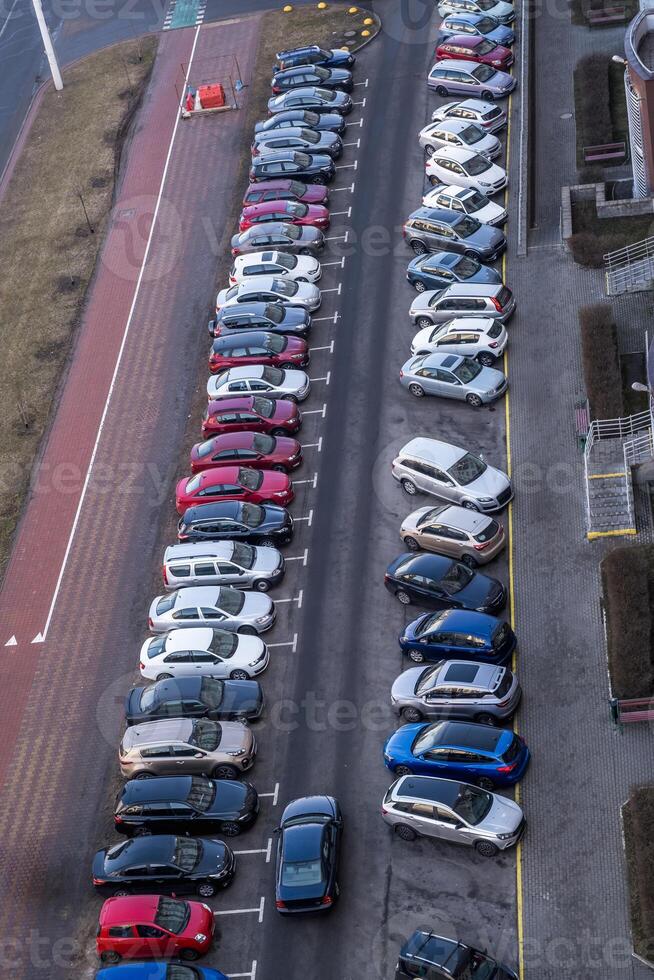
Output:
x=609 y=491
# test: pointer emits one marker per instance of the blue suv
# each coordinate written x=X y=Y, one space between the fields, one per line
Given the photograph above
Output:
x=473 y=753
x=313 y=54
x=458 y=634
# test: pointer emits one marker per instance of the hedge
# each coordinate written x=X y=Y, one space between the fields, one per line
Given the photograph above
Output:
x=592 y=101
x=638 y=822
x=628 y=590
x=601 y=361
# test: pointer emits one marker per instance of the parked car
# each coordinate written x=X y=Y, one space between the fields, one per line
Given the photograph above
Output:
x=203 y=652
x=499 y=9
x=494 y=301
x=476 y=25
x=488 y=115
x=459 y=132
x=153 y=926
x=438 y=229
x=245 y=566
x=470 y=537
x=270 y=289
x=158 y=971
x=316 y=168
x=432 y=956
x=247 y=449
x=236 y=483
x=257 y=347
x=290 y=212
x=439 y=582
x=250 y=413
x=260 y=380
x=468 y=47
x=298 y=138
x=187 y=747
x=465 y=200
x=457 y=634
x=220 y=607
x=301 y=268
x=468 y=78
x=186 y=805
x=436 y=270
x=272 y=317
x=428 y=806
x=279 y=235
x=164 y=863
x=480 y=754
x=452 y=473
x=318 y=99
x=480 y=337
x=300 y=77
x=307 y=855
x=456 y=689
x=322 y=121
x=313 y=54
x=195 y=697
x=236 y=521
x=457 y=165
x=453 y=376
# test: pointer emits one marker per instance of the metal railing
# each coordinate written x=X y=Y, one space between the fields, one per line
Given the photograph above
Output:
x=623 y=428
x=629 y=265
x=639 y=449
x=635 y=432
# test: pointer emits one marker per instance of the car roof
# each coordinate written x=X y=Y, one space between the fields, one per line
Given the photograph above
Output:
x=469 y=735
x=199 y=549
x=477 y=105
x=191 y=638
x=134 y=971
x=149 y=847
x=433 y=949
x=197 y=595
x=218 y=509
x=257 y=308
x=302 y=841
x=466 y=621
x=482 y=324
x=436 y=214
x=431 y=788
x=234 y=440
x=427 y=563
x=469 y=18
x=483 y=289
x=438 y=359
x=433 y=450
x=257 y=282
x=303 y=49
x=159 y=789
x=459 y=153
x=229 y=340
x=174 y=729
x=447 y=259
x=268 y=228
x=463 y=519
x=453 y=125
x=468 y=674
x=129 y=908
x=246 y=371
x=460 y=64
x=463 y=40
x=275 y=156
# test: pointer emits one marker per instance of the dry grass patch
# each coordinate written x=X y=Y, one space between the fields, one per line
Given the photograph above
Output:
x=601 y=361
x=628 y=591
x=638 y=823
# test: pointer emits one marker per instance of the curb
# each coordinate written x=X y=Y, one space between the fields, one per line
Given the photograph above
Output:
x=523 y=187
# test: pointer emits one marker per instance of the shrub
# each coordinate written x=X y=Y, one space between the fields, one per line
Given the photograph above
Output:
x=638 y=820
x=588 y=249
x=601 y=361
x=628 y=590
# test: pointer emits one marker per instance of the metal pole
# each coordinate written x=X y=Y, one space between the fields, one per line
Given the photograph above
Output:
x=47 y=44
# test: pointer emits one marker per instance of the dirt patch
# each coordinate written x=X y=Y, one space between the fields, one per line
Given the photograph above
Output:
x=593 y=237
x=628 y=592
x=638 y=825
x=49 y=250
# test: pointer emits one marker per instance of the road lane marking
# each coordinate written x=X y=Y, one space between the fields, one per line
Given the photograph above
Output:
x=348 y=213
x=293 y=645
x=13 y=642
x=303 y=558
x=308 y=519
x=316 y=411
x=329 y=347
x=313 y=445
x=275 y=794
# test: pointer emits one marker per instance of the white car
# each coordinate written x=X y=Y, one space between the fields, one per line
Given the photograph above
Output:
x=488 y=115
x=212 y=605
x=465 y=200
x=458 y=132
x=500 y=10
x=479 y=337
x=259 y=379
x=301 y=268
x=203 y=652
x=270 y=289
x=465 y=168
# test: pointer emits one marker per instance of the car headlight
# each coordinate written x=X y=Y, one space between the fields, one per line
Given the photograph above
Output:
x=236 y=752
x=485 y=500
x=387 y=756
x=505 y=836
x=262 y=619
x=200 y=937
x=255 y=662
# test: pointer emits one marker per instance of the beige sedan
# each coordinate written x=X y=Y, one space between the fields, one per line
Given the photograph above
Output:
x=187 y=747
x=464 y=534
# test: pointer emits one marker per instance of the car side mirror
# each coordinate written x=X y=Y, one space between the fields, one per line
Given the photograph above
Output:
x=199 y=755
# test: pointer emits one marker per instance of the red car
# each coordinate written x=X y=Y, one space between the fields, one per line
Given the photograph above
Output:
x=234 y=483
x=475 y=48
x=293 y=212
x=153 y=926
x=285 y=190
x=274 y=416
x=258 y=347
x=247 y=449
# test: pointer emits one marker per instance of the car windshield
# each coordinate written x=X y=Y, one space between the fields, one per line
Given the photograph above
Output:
x=231 y=601
x=147 y=699
x=223 y=643
x=250 y=479
x=294 y=232
x=286 y=261
x=429 y=623
x=172 y=915
x=467 y=469
x=456 y=578
x=467 y=370
x=193 y=483
x=263 y=444
x=484 y=47
x=472 y=804
x=156 y=647
x=273 y=312
x=296 y=186
x=202 y=791
x=285 y=287
x=325 y=95
x=472 y=134
x=486 y=25
x=482 y=73
x=430 y=516
x=298 y=874
x=488 y=533
x=322 y=73
x=188 y=852
x=426 y=680
x=427 y=739
x=297 y=208
x=310 y=135
x=211 y=692
x=206 y=734
x=477 y=165
x=477 y=201
x=252 y=514
x=500 y=636
x=264 y=407
x=479 y=968
x=274 y=343
x=178 y=972
x=486 y=4
x=465 y=266
x=272 y=375
x=310 y=119
x=303 y=160
x=243 y=554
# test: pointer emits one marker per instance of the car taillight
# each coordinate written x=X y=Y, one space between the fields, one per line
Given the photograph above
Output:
x=98 y=881
x=141 y=666
x=401 y=373
x=236 y=251
x=279 y=904
x=150 y=623
x=118 y=818
x=481 y=545
x=507 y=768
x=384 y=810
x=493 y=343
x=496 y=303
x=164 y=572
x=327 y=900
x=276 y=89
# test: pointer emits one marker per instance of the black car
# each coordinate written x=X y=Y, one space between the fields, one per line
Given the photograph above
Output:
x=313 y=54
x=303 y=75
x=314 y=169
x=431 y=956
x=185 y=805
x=300 y=138
x=163 y=863
x=311 y=97
x=272 y=317
x=442 y=583
x=194 y=697
x=279 y=235
x=308 y=848
x=330 y=121
x=235 y=520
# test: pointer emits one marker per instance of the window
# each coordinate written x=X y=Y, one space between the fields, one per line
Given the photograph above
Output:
x=422 y=810
x=178 y=657
x=120 y=932
x=205 y=568
x=180 y=571
x=157 y=752
x=186 y=614
x=150 y=932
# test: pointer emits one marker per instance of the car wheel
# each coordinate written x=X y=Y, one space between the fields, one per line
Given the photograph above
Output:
x=423 y=321
x=288 y=365
x=488 y=96
x=278 y=432
x=403 y=771
x=409 y=487
x=318 y=179
x=429 y=149
x=189 y=954
x=404 y=597
x=206 y=890
x=279 y=468
x=120 y=893
x=239 y=675
x=485 y=783
x=225 y=771
x=230 y=828
x=417 y=656
x=306 y=251
x=143 y=775
x=411 y=715
x=419 y=286
x=470 y=561
x=486 y=848
x=474 y=400
x=267 y=542
x=441 y=90
x=470 y=505
x=411 y=543
x=164 y=677
x=486 y=359
x=486 y=719
x=247 y=631
x=290 y=398
x=404 y=831
x=110 y=956
x=261 y=585
x=416 y=390
x=418 y=247
x=433 y=180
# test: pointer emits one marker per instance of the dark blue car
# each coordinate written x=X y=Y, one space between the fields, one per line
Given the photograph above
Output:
x=476 y=25
x=313 y=54
x=308 y=850
x=439 y=269
x=473 y=753
x=158 y=971
x=458 y=634
x=442 y=583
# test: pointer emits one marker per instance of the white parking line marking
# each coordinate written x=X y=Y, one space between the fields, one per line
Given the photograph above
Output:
x=296 y=598
x=356 y=143
x=349 y=188
x=360 y=123
x=326 y=380
x=363 y=102
x=269 y=850
x=330 y=348
x=256 y=850
x=303 y=558
x=332 y=289
x=349 y=215
x=347 y=166
x=341 y=262
x=313 y=445
x=258 y=910
x=314 y=483
x=252 y=974
x=308 y=519
x=365 y=84
x=335 y=317
x=289 y=643
x=316 y=411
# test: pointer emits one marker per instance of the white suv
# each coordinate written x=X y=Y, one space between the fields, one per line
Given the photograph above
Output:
x=301 y=268
x=465 y=200
x=480 y=337
x=465 y=168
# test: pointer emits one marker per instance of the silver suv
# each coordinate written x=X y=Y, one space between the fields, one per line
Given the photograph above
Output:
x=463 y=299
x=187 y=747
x=427 y=806
x=456 y=689
x=222 y=563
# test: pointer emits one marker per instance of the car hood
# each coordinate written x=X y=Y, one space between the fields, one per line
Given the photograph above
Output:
x=401 y=740
x=501 y=9
x=404 y=686
x=422 y=341
x=274 y=482
x=242 y=696
x=491 y=482
x=501 y=79
x=486 y=237
x=410 y=630
x=256 y=605
x=234 y=736
x=230 y=795
x=490 y=212
x=488 y=379
x=486 y=274
x=423 y=300
x=504 y=817
x=478 y=591
x=293 y=380
x=249 y=648
x=215 y=855
x=410 y=523
x=501 y=35
x=340 y=75
x=268 y=559
x=308 y=264
x=339 y=56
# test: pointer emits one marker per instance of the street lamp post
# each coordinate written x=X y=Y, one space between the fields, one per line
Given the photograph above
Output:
x=47 y=44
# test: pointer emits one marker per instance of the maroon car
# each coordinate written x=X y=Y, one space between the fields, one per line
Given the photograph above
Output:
x=285 y=190
x=475 y=48
x=252 y=413
x=291 y=212
x=247 y=449
x=234 y=483
x=258 y=347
